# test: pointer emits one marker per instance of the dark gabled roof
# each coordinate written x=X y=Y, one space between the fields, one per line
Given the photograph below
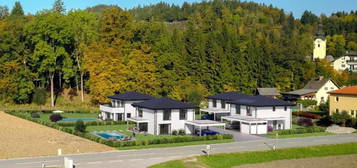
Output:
x=317 y=83
x=163 y=103
x=261 y=101
x=228 y=96
x=131 y=96
x=268 y=91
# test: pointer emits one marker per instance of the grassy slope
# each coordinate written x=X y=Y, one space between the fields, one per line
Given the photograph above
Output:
x=302 y=135
x=236 y=159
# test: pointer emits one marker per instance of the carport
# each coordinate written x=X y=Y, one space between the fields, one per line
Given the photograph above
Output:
x=205 y=123
x=249 y=125
x=215 y=112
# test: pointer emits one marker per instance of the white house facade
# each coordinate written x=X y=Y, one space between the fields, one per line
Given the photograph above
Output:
x=257 y=114
x=347 y=62
x=163 y=116
x=120 y=108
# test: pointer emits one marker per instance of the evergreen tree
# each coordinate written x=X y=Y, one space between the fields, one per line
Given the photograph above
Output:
x=4 y=11
x=17 y=10
x=58 y=6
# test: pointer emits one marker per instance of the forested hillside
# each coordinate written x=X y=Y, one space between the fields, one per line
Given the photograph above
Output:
x=184 y=52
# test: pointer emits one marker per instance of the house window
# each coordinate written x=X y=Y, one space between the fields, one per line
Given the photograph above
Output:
x=326 y=88
x=337 y=98
x=249 y=112
x=223 y=104
x=121 y=104
x=285 y=108
x=140 y=111
x=183 y=114
x=128 y=115
x=214 y=101
x=318 y=45
x=337 y=111
x=237 y=109
x=167 y=115
x=332 y=88
x=274 y=108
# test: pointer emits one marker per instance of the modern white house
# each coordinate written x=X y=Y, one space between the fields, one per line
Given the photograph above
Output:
x=316 y=89
x=255 y=114
x=347 y=62
x=120 y=108
x=164 y=115
x=218 y=106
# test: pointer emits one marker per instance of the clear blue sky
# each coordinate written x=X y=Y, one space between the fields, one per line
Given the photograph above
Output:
x=295 y=6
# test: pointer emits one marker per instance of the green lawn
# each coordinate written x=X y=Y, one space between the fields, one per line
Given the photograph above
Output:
x=178 y=144
x=123 y=129
x=46 y=116
x=236 y=159
x=302 y=135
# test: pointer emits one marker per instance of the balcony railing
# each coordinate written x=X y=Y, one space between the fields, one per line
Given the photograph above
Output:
x=108 y=108
x=351 y=61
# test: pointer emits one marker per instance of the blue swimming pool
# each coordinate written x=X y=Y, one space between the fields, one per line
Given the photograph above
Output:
x=76 y=119
x=108 y=135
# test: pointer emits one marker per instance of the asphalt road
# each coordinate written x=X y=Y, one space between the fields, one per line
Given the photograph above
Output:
x=146 y=157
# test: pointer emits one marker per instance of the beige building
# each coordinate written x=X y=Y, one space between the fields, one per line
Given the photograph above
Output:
x=316 y=89
x=344 y=100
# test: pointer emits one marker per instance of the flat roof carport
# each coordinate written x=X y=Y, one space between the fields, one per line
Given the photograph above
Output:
x=205 y=123
x=214 y=111
x=244 y=119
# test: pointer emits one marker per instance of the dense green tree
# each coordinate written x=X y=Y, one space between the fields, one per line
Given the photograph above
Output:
x=17 y=10
x=309 y=18
x=58 y=6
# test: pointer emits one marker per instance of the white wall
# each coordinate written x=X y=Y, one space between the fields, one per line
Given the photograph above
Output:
x=155 y=119
x=267 y=112
x=218 y=104
x=322 y=92
x=340 y=64
x=319 y=49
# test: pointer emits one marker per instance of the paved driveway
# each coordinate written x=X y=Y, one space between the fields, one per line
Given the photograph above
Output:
x=147 y=157
x=238 y=136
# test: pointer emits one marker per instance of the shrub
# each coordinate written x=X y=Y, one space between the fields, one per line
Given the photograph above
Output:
x=306 y=122
x=80 y=127
x=324 y=121
x=35 y=115
x=174 y=132
x=352 y=122
x=56 y=117
x=340 y=118
x=270 y=128
x=182 y=132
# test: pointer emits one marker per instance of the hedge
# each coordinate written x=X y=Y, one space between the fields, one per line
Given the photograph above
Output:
x=174 y=139
x=51 y=111
x=92 y=123
x=307 y=115
x=301 y=130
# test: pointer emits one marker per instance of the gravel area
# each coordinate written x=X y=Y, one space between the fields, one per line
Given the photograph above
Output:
x=22 y=138
x=344 y=161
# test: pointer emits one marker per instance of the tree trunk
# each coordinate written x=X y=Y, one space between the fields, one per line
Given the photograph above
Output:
x=52 y=90
x=82 y=91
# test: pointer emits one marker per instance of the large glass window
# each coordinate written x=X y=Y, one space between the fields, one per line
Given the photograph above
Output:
x=249 y=111
x=140 y=112
x=223 y=104
x=167 y=114
x=238 y=109
x=214 y=102
x=183 y=114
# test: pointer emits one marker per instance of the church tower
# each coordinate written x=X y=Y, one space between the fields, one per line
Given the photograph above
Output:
x=319 y=45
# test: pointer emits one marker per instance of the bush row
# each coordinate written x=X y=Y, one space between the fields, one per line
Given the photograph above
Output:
x=51 y=111
x=301 y=130
x=93 y=123
x=307 y=115
x=175 y=139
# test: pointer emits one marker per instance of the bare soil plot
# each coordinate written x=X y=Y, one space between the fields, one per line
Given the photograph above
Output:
x=344 y=161
x=22 y=138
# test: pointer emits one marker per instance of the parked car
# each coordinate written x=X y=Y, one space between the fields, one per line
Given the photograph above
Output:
x=206 y=132
x=207 y=117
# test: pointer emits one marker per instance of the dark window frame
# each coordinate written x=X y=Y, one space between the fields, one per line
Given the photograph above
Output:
x=166 y=116
x=140 y=112
x=223 y=104
x=214 y=102
x=183 y=114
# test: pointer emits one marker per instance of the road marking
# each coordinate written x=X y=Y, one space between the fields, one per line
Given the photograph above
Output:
x=37 y=162
x=115 y=161
x=98 y=162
